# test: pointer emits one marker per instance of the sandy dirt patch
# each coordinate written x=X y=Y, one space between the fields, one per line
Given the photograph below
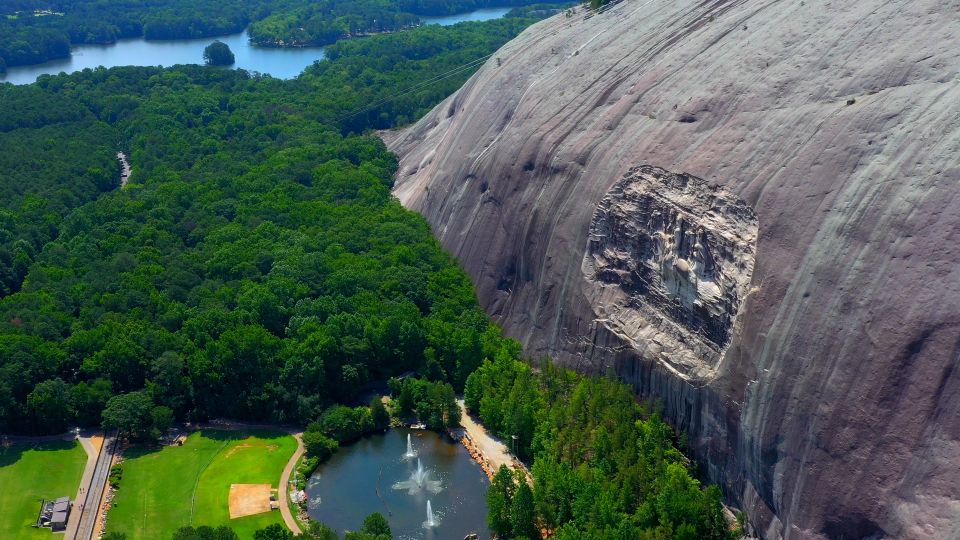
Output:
x=485 y=449
x=249 y=499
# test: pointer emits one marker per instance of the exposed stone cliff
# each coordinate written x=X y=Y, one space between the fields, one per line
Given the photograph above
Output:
x=751 y=211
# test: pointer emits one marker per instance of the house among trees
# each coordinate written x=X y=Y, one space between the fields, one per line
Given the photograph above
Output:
x=54 y=514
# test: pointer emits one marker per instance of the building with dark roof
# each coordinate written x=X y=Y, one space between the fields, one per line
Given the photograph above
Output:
x=54 y=514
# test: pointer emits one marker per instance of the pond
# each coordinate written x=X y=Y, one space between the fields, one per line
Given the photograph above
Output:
x=279 y=62
x=377 y=475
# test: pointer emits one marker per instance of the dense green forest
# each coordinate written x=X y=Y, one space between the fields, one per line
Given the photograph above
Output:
x=604 y=466
x=257 y=268
x=34 y=31
x=326 y=21
x=53 y=164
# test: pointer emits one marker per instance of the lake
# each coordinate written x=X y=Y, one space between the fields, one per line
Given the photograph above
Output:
x=479 y=15
x=280 y=63
x=374 y=475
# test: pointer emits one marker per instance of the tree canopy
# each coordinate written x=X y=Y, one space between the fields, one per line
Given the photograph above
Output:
x=604 y=466
x=218 y=53
x=257 y=269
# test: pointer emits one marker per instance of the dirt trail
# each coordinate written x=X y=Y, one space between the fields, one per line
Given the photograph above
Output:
x=489 y=451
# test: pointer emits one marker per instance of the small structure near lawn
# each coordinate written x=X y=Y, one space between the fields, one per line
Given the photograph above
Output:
x=54 y=514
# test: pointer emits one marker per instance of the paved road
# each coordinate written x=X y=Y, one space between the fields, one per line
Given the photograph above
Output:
x=95 y=490
x=284 y=492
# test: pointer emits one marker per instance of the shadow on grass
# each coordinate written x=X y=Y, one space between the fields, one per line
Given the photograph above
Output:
x=11 y=455
x=140 y=450
x=220 y=435
x=240 y=434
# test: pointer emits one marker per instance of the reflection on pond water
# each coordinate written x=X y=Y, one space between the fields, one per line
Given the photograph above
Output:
x=440 y=494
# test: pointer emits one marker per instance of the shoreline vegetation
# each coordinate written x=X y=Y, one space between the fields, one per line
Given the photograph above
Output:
x=271 y=23
x=296 y=44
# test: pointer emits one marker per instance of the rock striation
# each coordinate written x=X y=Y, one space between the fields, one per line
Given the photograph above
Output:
x=668 y=262
x=750 y=210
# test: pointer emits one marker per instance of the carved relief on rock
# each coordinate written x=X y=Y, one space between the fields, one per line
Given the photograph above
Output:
x=668 y=265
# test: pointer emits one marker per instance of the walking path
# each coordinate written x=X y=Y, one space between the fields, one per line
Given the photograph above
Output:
x=283 y=494
x=95 y=490
x=91 y=445
x=488 y=450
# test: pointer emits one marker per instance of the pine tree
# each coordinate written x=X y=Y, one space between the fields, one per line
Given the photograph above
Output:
x=499 y=502
x=521 y=512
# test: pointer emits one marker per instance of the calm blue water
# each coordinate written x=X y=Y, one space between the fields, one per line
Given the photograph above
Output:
x=478 y=15
x=280 y=63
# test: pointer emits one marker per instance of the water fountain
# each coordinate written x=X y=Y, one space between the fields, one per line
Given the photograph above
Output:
x=430 y=522
x=411 y=453
x=419 y=480
x=374 y=475
x=420 y=475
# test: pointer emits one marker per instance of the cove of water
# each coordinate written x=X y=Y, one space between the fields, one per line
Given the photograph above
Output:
x=280 y=63
x=484 y=14
x=373 y=475
x=277 y=62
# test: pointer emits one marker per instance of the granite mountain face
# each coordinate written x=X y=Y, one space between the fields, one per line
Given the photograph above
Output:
x=750 y=211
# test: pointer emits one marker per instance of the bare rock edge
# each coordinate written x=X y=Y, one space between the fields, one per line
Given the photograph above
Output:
x=810 y=346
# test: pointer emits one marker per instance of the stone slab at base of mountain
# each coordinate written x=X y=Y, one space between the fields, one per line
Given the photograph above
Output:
x=822 y=387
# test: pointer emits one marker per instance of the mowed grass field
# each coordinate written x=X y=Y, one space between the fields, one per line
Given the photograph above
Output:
x=163 y=490
x=29 y=473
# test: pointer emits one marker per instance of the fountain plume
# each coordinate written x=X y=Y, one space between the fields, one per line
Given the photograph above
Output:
x=431 y=522
x=411 y=453
x=419 y=480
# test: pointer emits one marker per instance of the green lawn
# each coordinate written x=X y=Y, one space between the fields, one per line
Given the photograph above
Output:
x=29 y=473
x=190 y=484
